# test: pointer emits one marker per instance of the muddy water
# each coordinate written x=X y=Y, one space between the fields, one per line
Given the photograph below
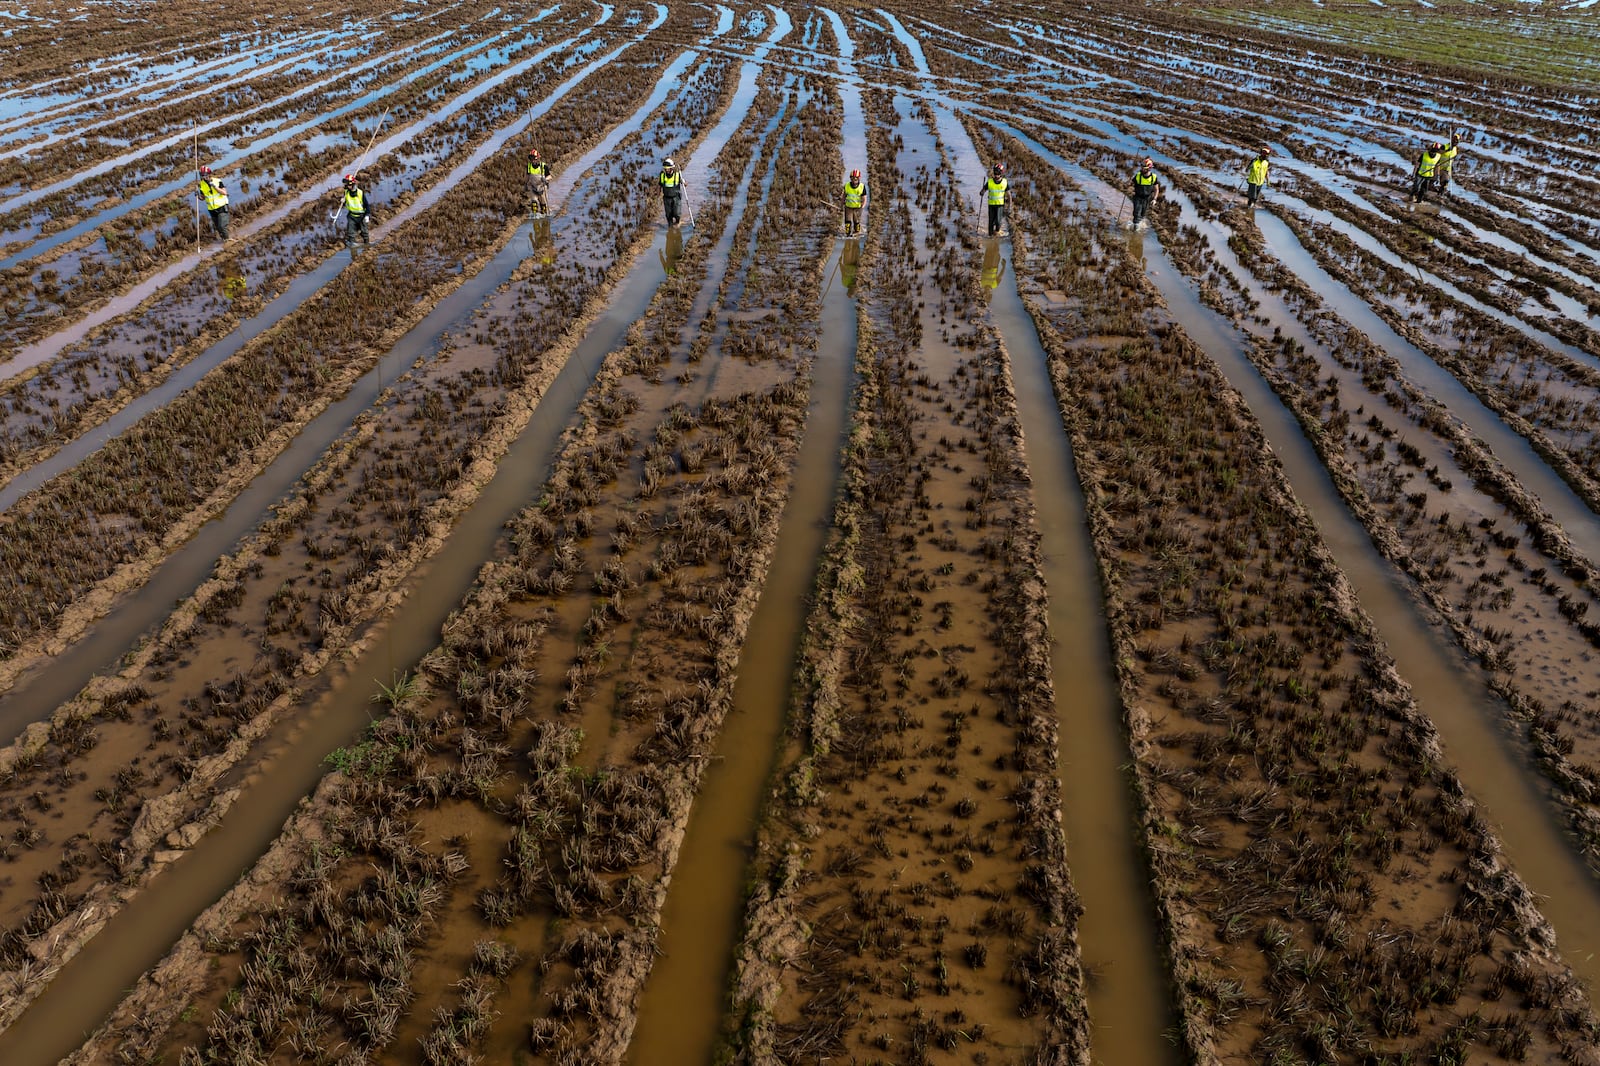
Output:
x=681 y=1010
x=1130 y=1004
x=1492 y=766
x=90 y=985
x=170 y=188
x=1508 y=446
x=306 y=285
x=684 y=1001
x=34 y=695
x=46 y=348
x=266 y=63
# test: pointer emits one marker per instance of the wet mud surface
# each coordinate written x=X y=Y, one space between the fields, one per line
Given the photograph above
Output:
x=485 y=637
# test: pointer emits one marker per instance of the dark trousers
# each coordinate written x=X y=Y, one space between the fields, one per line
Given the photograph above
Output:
x=1141 y=207
x=219 y=221
x=997 y=213
x=1420 y=186
x=356 y=225
x=852 y=220
x=1252 y=193
x=673 y=206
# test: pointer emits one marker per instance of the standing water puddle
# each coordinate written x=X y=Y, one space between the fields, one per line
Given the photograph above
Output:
x=1129 y=1004
x=92 y=983
x=308 y=284
x=682 y=1007
x=1447 y=691
x=32 y=697
x=48 y=347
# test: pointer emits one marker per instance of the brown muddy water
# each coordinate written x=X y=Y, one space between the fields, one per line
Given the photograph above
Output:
x=681 y=1011
x=92 y=983
x=1130 y=1004
x=1493 y=765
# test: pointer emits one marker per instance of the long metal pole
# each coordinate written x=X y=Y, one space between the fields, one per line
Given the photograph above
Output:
x=361 y=159
x=197 y=174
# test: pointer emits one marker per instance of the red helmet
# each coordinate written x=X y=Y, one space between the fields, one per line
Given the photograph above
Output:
x=1266 y=151
x=534 y=152
x=1149 y=163
x=349 y=179
x=205 y=170
x=999 y=168
x=1435 y=146
x=855 y=175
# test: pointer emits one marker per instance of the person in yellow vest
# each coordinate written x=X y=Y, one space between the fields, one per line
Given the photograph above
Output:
x=1447 y=162
x=215 y=198
x=357 y=209
x=994 y=194
x=538 y=181
x=1146 y=190
x=855 y=198
x=1255 y=176
x=671 y=182
x=1426 y=171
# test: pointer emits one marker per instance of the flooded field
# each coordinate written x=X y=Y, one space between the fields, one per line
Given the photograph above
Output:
x=561 y=636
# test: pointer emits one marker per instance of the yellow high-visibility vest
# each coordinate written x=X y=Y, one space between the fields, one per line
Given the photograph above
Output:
x=996 y=191
x=1257 y=174
x=355 y=202
x=1429 y=162
x=1141 y=178
x=671 y=181
x=215 y=195
x=854 y=195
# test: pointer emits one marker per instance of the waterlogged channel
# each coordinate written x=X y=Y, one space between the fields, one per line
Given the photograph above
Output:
x=861 y=914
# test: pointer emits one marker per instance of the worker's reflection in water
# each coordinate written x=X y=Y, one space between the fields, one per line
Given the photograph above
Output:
x=230 y=279
x=673 y=251
x=849 y=262
x=994 y=267
x=544 y=245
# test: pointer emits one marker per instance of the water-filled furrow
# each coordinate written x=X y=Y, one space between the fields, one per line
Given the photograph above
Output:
x=134 y=203
x=32 y=696
x=305 y=286
x=239 y=118
x=681 y=1010
x=56 y=121
x=1451 y=696
x=1374 y=246
x=1508 y=446
x=47 y=348
x=1130 y=1001
x=92 y=982
x=323 y=47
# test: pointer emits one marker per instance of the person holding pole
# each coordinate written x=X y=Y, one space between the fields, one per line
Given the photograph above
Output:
x=1447 y=163
x=994 y=194
x=1256 y=177
x=855 y=198
x=357 y=207
x=215 y=197
x=538 y=181
x=1425 y=172
x=671 y=182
